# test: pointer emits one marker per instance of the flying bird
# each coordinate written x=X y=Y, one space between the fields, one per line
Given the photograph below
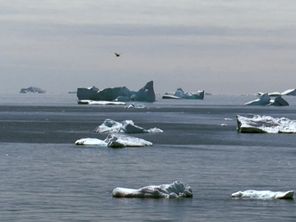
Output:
x=116 y=54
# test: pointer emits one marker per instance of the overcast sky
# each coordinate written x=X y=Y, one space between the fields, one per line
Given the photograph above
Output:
x=222 y=46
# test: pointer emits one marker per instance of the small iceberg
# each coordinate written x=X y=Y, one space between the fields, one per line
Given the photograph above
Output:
x=114 y=141
x=180 y=94
x=119 y=141
x=263 y=195
x=264 y=100
x=265 y=124
x=174 y=190
x=91 y=142
x=92 y=102
x=126 y=126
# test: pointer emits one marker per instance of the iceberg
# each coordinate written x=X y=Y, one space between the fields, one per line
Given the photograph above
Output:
x=32 y=89
x=174 y=190
x=263 y=195
x=91 y=142
x=180 y=94
x=265 y=124
x=114 y=141
x=126 y=126
x=119 y=94
x=92 y=102
x=119 y=141
x=289 y=92
x=264 y=99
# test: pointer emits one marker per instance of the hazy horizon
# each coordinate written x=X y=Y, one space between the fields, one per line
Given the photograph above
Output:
x=221 y=46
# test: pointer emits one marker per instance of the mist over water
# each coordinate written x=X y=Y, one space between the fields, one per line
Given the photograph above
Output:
x=45 y=177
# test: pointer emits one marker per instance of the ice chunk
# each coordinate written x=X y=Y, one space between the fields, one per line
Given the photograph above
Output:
x=119 y=141
x=174 y=190
x=180 y=94
x=263 y=195
x=145 y=94
x=92 y=102
x=126 y=126
x=91 y=142
x=289 y=92
x=264 y=99
x=265 y=124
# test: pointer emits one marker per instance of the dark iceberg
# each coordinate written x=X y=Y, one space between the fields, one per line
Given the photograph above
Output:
x=32 y=89
x=145 y=94
x=264 y=99
x=180 y=94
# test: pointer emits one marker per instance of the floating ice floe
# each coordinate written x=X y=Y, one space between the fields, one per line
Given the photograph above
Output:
x=114 y=141
x=126 y=126
x=92 y=102
x=180 y=94
x=91 y=142
x=264 y=100
x=119 y=140
x=174 y=190
x=263 y=195
x=265 y=124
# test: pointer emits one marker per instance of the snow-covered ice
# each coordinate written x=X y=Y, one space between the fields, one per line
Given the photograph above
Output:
x=119 y=140
x=263 y=195
x=174 y=190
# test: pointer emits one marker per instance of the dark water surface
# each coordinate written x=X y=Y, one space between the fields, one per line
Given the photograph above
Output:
x=45 y=177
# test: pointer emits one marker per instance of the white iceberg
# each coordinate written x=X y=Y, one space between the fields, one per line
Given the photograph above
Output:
x=135 y=106
x=180 y=94
x=93 y=102
x=119 y=141
x=126 y=126
x=264 y=99
x=265 y=124
x=263 y=195
x=174 y=190
x=114 y=141
x=91 y=142
x=289 y=92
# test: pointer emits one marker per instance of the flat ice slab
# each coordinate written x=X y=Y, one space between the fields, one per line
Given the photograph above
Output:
x=174 y=190
x=265 y=124
x=126 y=126
x=91 y=142
x=92 y=102
x=263 y=195
x=119 y=140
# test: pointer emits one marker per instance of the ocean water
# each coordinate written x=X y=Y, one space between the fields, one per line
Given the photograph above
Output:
x=45 y=177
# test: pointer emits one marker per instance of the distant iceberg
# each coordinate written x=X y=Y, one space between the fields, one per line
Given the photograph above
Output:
x=32 y=89
x=92 y=102
x=180 y=94
x=114 y=141
x=264 y=99
x=174 y=190
x=119 y=141
x=119 y=94
x=126 y=126
x=263 y=195
x=265 y=124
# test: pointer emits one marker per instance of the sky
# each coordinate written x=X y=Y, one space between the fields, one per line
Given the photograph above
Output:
x=221 y=46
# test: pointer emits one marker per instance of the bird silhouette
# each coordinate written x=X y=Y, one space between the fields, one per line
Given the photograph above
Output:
x=116 y=54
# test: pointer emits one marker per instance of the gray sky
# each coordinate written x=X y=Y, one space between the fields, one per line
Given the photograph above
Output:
x=222 y=46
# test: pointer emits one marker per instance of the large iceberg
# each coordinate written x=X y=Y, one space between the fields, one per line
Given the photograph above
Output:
x=174 y=190
x=265 y=124
x=126 y=126
x=180 y=94
x=120 y=94
x=32 y=89
x=119 y=141
x=114 y=141
x=263 y=195
x=264 y=99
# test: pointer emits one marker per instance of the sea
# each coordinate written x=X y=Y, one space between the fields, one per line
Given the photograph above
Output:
x=45 y=177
